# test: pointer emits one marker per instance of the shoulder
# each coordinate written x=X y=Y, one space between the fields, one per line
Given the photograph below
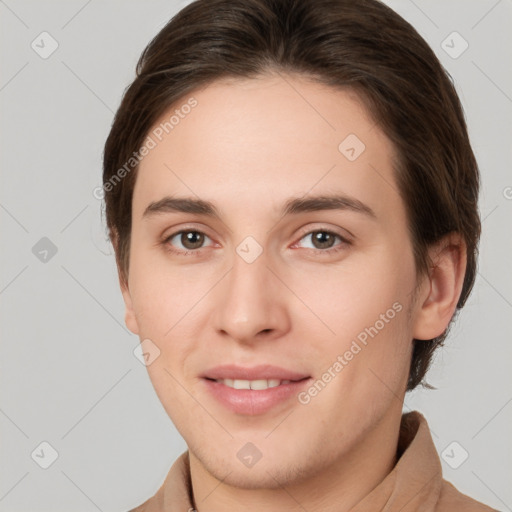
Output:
x=147 y=506
x=452 y=500
x=174 y=493
x=153 y=504
x=141 y=508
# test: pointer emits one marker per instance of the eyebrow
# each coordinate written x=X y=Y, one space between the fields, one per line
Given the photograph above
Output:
x=292 y=206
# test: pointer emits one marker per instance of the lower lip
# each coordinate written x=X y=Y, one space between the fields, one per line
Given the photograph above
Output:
x=252 y=402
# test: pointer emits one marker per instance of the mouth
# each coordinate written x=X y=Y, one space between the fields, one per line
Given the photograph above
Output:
x=263 y=389
x=231 y=373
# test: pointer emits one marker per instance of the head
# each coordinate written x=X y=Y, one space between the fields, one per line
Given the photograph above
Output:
x=245 y=104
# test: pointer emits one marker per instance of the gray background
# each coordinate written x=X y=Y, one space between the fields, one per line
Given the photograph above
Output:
x=68 y=374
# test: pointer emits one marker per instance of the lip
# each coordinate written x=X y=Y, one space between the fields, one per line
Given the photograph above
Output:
x=263 y=371
x=253 y=402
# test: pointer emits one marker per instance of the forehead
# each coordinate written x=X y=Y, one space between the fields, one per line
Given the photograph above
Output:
x=248 y=141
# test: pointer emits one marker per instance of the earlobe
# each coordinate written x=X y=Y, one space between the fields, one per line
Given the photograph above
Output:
x=442 y=287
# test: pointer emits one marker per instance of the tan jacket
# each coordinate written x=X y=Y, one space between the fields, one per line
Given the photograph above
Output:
x=414 y=484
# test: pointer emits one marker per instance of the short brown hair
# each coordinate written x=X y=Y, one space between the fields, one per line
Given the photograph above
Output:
x=362 y=45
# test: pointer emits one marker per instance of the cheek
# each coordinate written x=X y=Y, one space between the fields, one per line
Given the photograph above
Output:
x=361 y=322
x=344 y=300
x=162 y=295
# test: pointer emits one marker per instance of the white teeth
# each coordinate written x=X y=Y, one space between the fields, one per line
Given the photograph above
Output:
x=241 y=384
x=252 y=384
x=264 y=384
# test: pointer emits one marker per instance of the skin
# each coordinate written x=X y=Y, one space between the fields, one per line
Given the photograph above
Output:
x=248 y=146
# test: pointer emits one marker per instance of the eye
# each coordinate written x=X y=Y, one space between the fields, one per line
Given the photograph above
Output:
x=323 y=241
x=190 y=241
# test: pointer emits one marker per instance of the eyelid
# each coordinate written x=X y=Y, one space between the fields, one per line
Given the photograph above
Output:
x=173 y=231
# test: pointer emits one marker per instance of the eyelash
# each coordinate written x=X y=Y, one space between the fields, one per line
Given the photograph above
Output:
x=196 y=252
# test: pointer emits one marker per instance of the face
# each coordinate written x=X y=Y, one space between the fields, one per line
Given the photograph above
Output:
x=323 y=289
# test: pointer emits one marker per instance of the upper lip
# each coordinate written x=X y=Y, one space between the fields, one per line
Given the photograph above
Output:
x=260 y=372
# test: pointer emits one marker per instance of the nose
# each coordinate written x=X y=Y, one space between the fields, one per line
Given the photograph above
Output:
x=251 y=302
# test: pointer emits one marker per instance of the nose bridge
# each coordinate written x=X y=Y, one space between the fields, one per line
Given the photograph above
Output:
x=249 y=301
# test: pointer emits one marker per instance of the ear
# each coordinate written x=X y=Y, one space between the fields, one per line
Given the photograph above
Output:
x=441 y=289
x=129 y=315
